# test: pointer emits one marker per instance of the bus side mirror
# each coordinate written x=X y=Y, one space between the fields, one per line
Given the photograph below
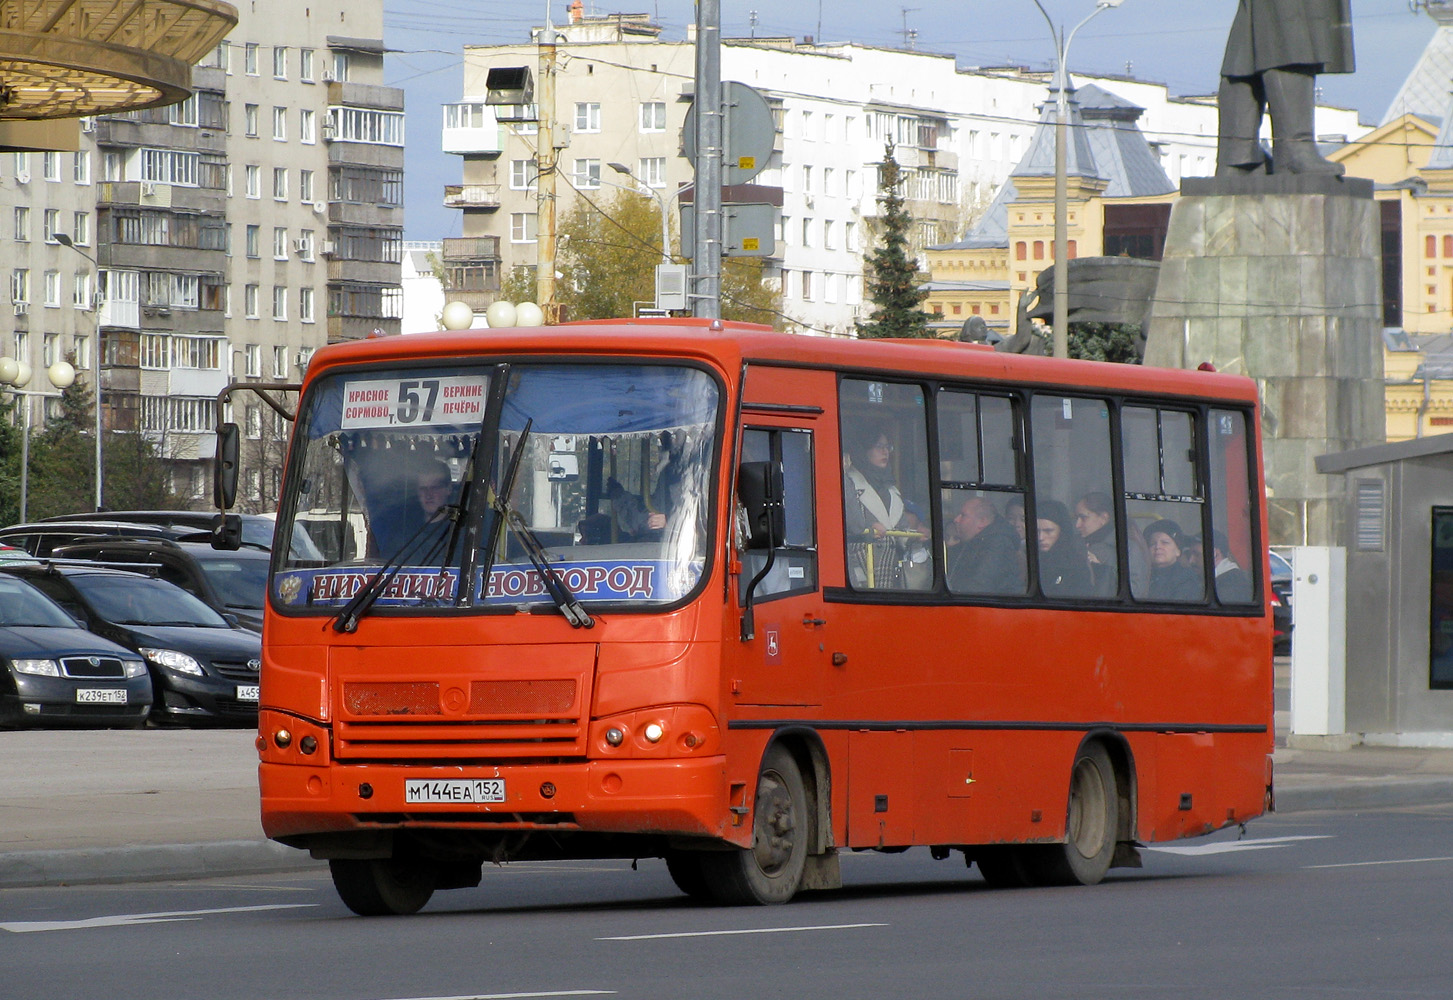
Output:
x=227 y=532
x=759 y=487
x=224 y=469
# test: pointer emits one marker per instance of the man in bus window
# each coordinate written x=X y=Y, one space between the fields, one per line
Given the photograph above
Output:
x=1233 y=584
x=985 y=554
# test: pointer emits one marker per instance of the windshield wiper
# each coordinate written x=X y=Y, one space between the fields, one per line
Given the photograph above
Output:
x=561 y=594
x=348 y=617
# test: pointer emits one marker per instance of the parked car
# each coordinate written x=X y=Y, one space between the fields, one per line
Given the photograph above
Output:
x=257 y=529
x=1279 y=596
x=53 y=672
x=11 y=554
x=202 y=667
x=234 y=583
x=41 y=538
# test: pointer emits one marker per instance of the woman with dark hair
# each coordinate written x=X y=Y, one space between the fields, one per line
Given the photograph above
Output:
x=877 y=517
x=1064 y=568
x=1171 y=579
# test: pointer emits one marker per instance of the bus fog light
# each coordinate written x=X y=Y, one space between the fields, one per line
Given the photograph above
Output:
x=690 y=741
x=283 y=739
x=547 y=790
x=654 y=732
x=308 y=744
x=614 y=736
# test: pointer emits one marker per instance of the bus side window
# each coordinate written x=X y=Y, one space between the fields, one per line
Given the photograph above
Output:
x=1234 y=562
x=886 y=514
x=1073 y=534
x=794 y=570
x=1164 y=501
x=983 y=497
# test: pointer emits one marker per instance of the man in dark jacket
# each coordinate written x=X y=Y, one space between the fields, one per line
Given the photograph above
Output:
x=1273 y=55
x=986 y=554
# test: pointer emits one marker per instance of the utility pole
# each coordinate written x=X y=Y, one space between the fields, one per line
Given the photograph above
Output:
x=706 y=302
x=546 y=161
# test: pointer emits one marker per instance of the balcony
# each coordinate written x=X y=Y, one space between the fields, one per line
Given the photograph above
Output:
x=462 y=248
x=471 y=128
x=478 y=196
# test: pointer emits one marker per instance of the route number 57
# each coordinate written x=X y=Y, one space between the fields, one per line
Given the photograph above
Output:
x=416 y=407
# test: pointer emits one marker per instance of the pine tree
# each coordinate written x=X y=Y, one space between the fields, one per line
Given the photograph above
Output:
x=893 y=285
x=1114 y=342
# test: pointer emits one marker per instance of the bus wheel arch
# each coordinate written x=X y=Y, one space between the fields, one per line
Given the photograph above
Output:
x=1094 y=816
x=770 y=871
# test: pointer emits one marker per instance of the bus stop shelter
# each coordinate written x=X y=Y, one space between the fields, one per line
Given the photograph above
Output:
x=1399 y=590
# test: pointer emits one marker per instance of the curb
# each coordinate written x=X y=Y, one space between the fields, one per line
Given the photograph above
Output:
x=150 y=863
x=1371 y=795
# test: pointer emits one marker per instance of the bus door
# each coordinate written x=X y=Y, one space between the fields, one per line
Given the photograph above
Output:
x=786 y=660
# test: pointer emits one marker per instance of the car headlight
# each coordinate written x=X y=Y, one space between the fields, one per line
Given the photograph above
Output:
x=133 y=668
x=171 y=659
x=41 y=668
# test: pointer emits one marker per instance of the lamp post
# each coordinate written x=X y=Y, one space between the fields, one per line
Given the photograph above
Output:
x=1061 y=180
x=621 y=168
x=16 y=375
x=66 y=241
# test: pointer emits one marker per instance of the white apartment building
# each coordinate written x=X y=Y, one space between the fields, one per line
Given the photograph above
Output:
x=622 y=93
x=225 y=237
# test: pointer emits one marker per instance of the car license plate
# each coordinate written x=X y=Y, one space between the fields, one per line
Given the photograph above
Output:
x=247 y=692
x=430 y=791
x=101 y=696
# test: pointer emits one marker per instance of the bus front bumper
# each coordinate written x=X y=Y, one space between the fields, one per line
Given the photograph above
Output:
x=670 y=797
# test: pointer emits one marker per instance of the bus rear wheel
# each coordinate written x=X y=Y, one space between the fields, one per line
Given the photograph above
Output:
x=382 y=887
x=1091 y=823
x=770 y=871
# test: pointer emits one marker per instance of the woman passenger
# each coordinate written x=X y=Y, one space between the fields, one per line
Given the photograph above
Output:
x=1170 y=579
x=1095 y=523
x=876 y=514
x=1064 y=568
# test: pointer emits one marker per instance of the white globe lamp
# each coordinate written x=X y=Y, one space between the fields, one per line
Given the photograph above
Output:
x=458 y=316
x=61 y=375
x=500 y=314
x=529 y=314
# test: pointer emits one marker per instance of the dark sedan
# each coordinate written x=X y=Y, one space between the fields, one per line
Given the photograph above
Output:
x=53 y=672
x=202 y=668
x=1279 y=596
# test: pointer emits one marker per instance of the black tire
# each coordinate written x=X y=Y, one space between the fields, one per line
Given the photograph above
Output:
x=1091 y=823
x=770 y=872
x=686 y=871
x=383 y=887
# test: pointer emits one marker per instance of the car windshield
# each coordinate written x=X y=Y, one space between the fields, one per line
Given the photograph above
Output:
x=239 y=582
x=138 y=600
x=23 y=605
x=612 y=483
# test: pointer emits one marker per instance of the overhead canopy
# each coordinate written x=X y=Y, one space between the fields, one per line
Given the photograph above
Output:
x=67 y=58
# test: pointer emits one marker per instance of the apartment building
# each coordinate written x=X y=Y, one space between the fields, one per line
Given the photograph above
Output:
x=228 y=236
x=622 y=94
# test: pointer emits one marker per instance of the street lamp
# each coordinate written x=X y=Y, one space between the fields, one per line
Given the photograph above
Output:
x=66 y=241
x=621 y=168
x=1061 y=180
x=16 y=375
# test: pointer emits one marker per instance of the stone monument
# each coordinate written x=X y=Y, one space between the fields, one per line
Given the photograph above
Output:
x=1272 y=267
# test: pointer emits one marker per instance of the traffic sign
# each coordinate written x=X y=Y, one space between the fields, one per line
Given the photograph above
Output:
x=748 y=133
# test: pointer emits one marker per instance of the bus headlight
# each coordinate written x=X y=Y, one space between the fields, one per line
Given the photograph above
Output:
x=670 y=731
x=654 y=732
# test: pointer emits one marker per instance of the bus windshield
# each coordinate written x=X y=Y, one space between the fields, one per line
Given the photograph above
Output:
x=611 y=484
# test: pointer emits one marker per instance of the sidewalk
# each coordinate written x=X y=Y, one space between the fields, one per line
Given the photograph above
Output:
x=100 y=806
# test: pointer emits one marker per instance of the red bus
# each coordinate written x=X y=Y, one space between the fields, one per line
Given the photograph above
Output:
x=742 y=600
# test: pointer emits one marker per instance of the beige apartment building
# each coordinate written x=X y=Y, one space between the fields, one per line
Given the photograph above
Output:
x=226 y=237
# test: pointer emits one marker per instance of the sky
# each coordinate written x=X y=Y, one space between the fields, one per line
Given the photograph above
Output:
x=1175 y=42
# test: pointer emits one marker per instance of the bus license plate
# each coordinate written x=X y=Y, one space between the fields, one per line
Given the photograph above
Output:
x=247 y=692
x=464 y=790
x=101 y=696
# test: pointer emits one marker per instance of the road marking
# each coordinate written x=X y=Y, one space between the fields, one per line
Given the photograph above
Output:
x=751 y=930
x=133 y=919
x=1365 y=864
x=1231 y=846
x=521 y=996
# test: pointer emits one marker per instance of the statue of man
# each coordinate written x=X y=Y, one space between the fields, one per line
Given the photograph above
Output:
x=1273 y=56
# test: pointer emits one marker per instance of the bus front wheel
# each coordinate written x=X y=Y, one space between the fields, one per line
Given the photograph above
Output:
x=1092 y=822
x=381 y=887
x=770 y=871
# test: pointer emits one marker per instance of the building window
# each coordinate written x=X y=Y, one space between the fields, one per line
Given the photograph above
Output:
x=249 y=301
x=81 y=347
x=252 y=240
x=280 y=183
x=280 y=124
x=305 y=185
x=653 y=171
x=587 y=174
x=279 y=243
x=22 y=224
x=50 y=165
x=249 y=120
x=53 y=288
x=249 y=58
x=524 y=175
x=170 y=166
x=52 y=222
x=653 y=116
x=254 y=180
x=279 y=302
x=252 y=360
x=279 y=62
x=81 y=167
x=305 y=65
x=523 y=227
x=587 y=117
x=829 y=238
x=384 y=128
x=307 y=126
x=155 y=351
x=1039 y=249
x=20 y=292
x=305 y=244
x=280 y=362
x=806 y=286
x=305 y=304
x=81 y=290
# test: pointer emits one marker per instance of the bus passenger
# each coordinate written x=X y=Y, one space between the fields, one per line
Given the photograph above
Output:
x=1064 y=566
x=879 y=522
x=1014 y=514
x=1170 y=579
x=1233 y=584
x=985 y=554
x=1095 y=523
x=636 y=521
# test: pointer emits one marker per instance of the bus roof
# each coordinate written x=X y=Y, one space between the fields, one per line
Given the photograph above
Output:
x=728 y=344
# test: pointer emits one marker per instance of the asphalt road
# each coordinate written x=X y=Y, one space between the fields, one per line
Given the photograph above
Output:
x=1304 y=907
